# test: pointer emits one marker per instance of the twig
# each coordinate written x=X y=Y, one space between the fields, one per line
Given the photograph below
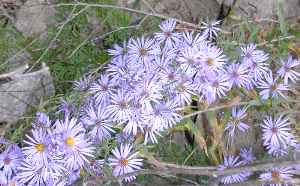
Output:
x=212 y=171
x=227 y=105
x=108 y=33
x=71 y=17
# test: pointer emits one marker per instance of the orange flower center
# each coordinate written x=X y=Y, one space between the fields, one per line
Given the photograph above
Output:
x=275 y=176
x=123 y=162
x=274 y=87
x=210 y=62
x=143 y=51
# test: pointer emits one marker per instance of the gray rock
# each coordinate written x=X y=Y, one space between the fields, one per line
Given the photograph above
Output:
x=263 y=9
x=20 y=91
x=188 y=10
x=34 y=17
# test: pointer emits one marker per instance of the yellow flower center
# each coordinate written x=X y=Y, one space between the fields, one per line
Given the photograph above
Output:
x=70 y=141
x=40 y=147
x=123 y=162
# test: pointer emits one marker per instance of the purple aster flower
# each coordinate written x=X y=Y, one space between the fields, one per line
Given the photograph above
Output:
x=255 y=60
x=33 y=174
x=118 y=50
x=189 y=40
x=151 y=133
x=124 y=161
x=119 y=108
x=164 y=115
x=236 y=123
x=137 y=119
x=66 y=108
x=212 y=58
x=73 y=143
x=10 y=160
x=96 y=166
x=83 y=83
x=102 y=90
x=188 y=59
x=215 y=87
x=277 y=133
x=238 y=76
x=124 y=138
x=101 y=128
x=148 y=91
x=247 y=156
x=142 y=51
x=251 y=55
x=287 y=70
x=168 y=36
x=39 y=146
x=183 y=91
x=210 y=30
x=42 y=121
x=277 y=176
x=271 y=88
x=232 y=162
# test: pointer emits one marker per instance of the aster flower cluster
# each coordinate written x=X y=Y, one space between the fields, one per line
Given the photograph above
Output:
x=140 y=94
x=52 y=154
x=145 y=87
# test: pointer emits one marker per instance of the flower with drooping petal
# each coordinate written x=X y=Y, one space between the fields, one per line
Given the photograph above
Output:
x=10 y=160
x=277 y=176
x=210 y=30
x=271 y=87
x=233 y=162
x=168 y=35
x=124 y=161
x=277 y=133
x=236 y=123
x=287 y=70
